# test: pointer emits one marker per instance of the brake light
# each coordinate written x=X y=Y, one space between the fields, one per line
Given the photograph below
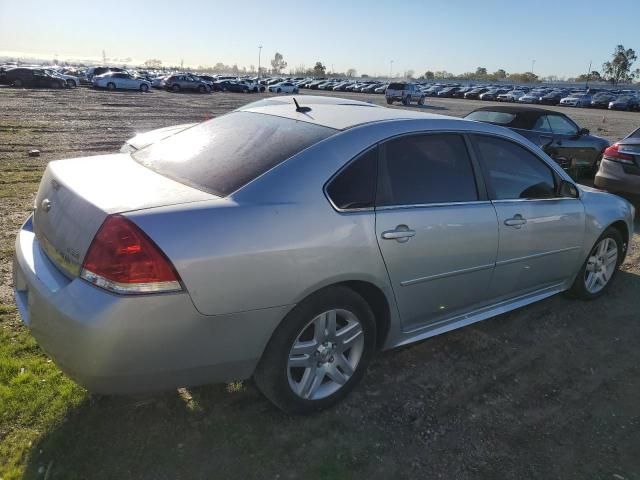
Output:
x=123 y=259
x=613 y=153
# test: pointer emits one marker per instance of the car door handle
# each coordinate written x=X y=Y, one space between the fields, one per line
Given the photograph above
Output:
x=401 y=233
x=516 y=221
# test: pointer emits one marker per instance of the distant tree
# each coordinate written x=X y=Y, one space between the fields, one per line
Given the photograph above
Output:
x=500 y=74
x=429 y=75
x=153 y=63
x=351 y=72
x=526 y=77
x=481 y=72
x=619 y=68
x=409 y=74
x=278 y=63
x=252 y=68
x=364 y=75
x=319 y=69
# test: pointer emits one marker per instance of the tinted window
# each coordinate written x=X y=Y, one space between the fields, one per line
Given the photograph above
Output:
x=426 y=169
x=225 y=153
x=513 y=172
x=397 y=86
x=562 y=125
x=501 y=118
x=355 y=186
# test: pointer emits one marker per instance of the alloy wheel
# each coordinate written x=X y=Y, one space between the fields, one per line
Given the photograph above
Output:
x=325 y=354
x=601 y=265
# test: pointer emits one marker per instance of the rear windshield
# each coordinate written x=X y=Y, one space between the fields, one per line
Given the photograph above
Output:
x=501 y=118
x=397 y=86
x=227 y=152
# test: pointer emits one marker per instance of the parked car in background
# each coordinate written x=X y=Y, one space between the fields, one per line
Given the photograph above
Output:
x=572 y=147
x=72 y=81
x=475 y=93
x=625 y=102
x=577 y=100
x=364 y=272
x=602 y=99
x=619 y=170
x=404 y=92
x=552 y=98
x=532 y=97
x=31 y=77
x=382 y=88
x=123 y=81
x=511 y=96
x=448 y=92
x=493 y=93
x=461 y=93
x=95 y=71
x=283 y=87
x=177 y=83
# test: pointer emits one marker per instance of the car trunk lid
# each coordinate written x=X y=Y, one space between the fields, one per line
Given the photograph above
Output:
x=75 y=196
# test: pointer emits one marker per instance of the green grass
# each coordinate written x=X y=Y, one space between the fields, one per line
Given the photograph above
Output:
x=34 y=395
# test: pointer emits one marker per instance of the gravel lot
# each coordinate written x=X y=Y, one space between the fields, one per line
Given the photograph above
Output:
x=549 y=391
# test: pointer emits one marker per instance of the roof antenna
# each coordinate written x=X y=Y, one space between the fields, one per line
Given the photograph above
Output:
x=299 y=108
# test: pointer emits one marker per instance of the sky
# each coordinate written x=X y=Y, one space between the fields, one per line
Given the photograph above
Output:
x=562 y=36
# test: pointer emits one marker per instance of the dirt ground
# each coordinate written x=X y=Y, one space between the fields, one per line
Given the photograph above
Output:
x=549 y=391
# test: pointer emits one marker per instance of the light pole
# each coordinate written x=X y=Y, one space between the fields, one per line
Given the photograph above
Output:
x=259 y=55
x=391 y=69
x=589 y=74
x=533 y=64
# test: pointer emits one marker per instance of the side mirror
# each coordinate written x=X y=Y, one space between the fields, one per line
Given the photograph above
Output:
x=568 y=189
x=583 y=131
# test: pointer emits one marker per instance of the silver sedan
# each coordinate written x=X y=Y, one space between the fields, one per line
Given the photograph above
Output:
x=291 y=241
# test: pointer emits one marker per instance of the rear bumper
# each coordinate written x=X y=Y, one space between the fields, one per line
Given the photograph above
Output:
x=125 y=344
x=612 y=177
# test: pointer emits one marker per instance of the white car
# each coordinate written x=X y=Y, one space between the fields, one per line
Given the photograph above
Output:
x=512 y=96
x=113 y=80
x=283 y=87
x=252 y=84
x=576 y=100
x=158 y=82
x=72 y=81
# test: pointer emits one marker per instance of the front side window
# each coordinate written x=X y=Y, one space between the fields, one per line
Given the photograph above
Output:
x=355 y=186
x=512 y=172
x=425 y=169
x=542 y=124
x=562 y=125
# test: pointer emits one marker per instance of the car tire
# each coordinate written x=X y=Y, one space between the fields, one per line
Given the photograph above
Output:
x=175 y=88
x=245 y=90
x=71 y=84
x=406 y=100
x=324 y=368
x=421 y=101
x=596 y=275
x=279 y=90
x=202 y=89
x=389 y=101
x=144 y=87
x=111 y=86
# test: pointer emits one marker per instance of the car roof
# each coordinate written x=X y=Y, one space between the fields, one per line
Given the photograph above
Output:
x=338 y=113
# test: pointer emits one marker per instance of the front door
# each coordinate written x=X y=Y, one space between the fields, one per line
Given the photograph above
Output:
x=438 y=236
x=541 y=233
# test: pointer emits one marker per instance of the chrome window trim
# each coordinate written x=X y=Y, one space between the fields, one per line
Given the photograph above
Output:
x=553 y=199
x=433 y=205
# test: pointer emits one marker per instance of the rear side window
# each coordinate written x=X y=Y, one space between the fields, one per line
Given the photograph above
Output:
x=397 y=86
x=355 y=186
x=424 y=169
x=227 y=152
x=512 y=172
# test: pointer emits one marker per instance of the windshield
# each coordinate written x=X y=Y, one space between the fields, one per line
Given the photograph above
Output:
x=223 y=154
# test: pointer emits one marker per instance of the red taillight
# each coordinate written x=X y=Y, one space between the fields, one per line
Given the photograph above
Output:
x=613 y=153
x=123 y=259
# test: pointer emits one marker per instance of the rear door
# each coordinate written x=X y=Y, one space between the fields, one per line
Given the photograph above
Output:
x=541 y=233
x=437 y=232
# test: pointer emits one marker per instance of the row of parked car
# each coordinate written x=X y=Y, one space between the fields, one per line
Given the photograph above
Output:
x=113 y=78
